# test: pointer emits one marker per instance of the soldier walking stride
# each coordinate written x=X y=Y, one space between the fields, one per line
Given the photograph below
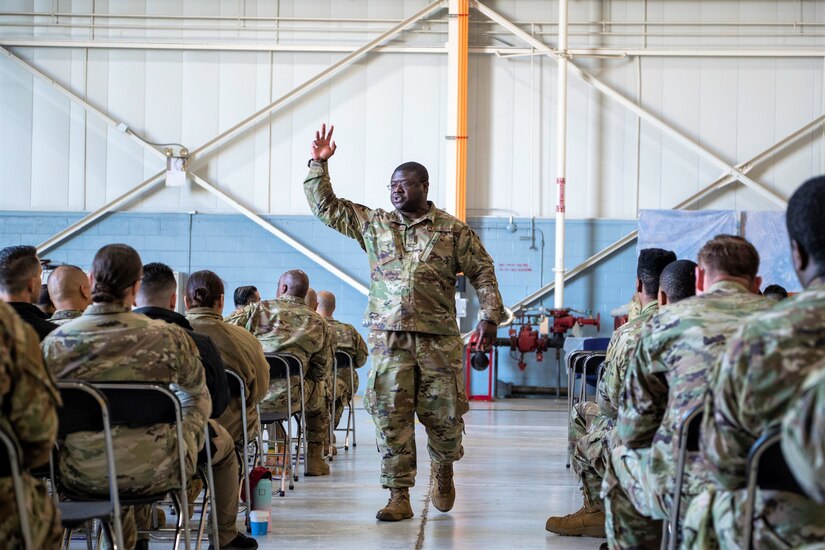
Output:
x=415 y=252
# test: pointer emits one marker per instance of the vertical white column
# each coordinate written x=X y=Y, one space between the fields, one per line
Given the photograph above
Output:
x=451 y=143
x=561 y=157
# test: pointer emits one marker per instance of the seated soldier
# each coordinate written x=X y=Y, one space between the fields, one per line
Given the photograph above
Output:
x=110 y=343
x=156 y=299
x=344 y=338
x=240 y=351
x=20 y=273
x=592 y=423
x=286 y=325
x=803 y=436
x=760 y=376
x=71 y=293
x=245 y=295
x=28 y=403
x=667 y=377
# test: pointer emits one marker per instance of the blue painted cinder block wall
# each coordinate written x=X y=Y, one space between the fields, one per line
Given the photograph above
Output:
x=243 y=253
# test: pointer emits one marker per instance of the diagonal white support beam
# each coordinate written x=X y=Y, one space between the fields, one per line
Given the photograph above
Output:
x=632 y=106
x=719 y=184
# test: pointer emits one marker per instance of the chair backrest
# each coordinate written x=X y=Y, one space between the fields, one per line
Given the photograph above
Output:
x=136 y=405
x=593 y=362
x=235 y=383
x=690 y=432
x=282 y=365
x=11 y=466
x=343 y=360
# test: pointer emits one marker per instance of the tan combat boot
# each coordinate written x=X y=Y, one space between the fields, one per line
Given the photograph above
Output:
x=398 y=507
x=316 y=465
x=443 y=494
x=587 y=522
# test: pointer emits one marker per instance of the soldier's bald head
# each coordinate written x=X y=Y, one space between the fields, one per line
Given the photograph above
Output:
x=311 y=299
x=326 y=303
x=293 y=283
x=68 y=285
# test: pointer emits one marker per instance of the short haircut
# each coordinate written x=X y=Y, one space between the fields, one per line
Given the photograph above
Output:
x=419 y=170
x=678 y=280
x=18 y=265
x=157 y=281
x=62 y=279
x=805 y=215
x=115 y=268
x=649 y=268
x=775 y=292
x=243 y=295
x=731 y=255
x=204 y=288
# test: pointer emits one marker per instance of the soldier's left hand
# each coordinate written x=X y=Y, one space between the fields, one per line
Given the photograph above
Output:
x=485 y=335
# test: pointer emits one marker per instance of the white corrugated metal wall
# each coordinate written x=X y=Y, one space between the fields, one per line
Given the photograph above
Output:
x=390 y=107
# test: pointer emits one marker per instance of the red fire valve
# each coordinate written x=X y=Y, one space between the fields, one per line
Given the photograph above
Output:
x=528 y=339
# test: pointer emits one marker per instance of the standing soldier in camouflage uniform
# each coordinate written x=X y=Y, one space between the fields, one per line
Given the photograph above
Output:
x=667 y=377
x=71 y=293
x=110 y=343
x=286 y=325
x=592 y=423
x=759 y=378
x=803 y=436
x=241 y=352
x=414 y=253
x=345 y=338
x=28 y=401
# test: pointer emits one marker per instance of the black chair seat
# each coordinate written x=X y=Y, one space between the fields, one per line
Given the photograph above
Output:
x=75 y=514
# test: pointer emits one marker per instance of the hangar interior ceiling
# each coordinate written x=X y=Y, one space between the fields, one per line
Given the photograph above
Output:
x=734 y=77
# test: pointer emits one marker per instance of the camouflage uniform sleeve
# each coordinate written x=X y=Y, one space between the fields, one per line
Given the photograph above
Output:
x=33 y=400
x=610 y=386
x=320 y=364
x=341 y=215
x=802 y=436
x=240 y=318
x=361 y=351
x=196 y=404
x=643 y=402
x=477 y=265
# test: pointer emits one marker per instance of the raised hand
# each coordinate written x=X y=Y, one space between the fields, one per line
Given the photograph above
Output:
x=322 y=146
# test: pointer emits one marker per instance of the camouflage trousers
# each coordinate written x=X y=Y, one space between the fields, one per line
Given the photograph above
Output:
x=634 y=510
x=343 y=392
x=415 y=374
x=588 y=441
x=782 y=520
x=315 y=398
x=44 y=520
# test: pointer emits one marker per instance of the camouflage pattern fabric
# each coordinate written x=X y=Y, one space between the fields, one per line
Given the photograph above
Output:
x=109 y=343
x=28 y=405
x=634 y=308
x=287 y=325
x=413 y=263
x=347 y=339
x=242 y=353
x=593 y=440
x=63 y=316
x=803 y=436
x=415 y=374
x=678 y=348
x=760 y=377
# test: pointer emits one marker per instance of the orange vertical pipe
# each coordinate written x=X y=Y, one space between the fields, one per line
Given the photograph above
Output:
x=461 y=134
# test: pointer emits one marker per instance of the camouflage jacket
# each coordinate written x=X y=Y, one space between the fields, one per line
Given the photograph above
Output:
x=28 y=396
x=63 y=316
x=619 y=352
x=678 y=349
x=111 y=343
x=287 y=325
x=413 y=263
x=346 y=338
x=803 y=443
x=759 y=378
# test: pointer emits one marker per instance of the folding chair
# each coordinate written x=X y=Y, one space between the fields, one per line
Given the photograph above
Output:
x=690 y=432
x=10 y=466
x=281 y=367
x=86 y=409
x=592 y=365
x=237 y=388
x=577 y=363
x=768 y=471
x=137 y=405
x=343 y=360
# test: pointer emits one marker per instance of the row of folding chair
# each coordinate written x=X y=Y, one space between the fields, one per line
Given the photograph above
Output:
x=767 y=470
x=96 y=408
x=580 y=365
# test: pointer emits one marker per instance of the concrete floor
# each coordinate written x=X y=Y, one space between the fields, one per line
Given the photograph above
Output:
x=510 y=480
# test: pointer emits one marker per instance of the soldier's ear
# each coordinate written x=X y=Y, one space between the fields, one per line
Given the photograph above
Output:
x=640 y=287
x=799 y=257
x=220 y=303
x=662 y=298
x=700 y=280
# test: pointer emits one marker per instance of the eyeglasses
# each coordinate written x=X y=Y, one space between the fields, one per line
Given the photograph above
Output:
x=404 y=184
